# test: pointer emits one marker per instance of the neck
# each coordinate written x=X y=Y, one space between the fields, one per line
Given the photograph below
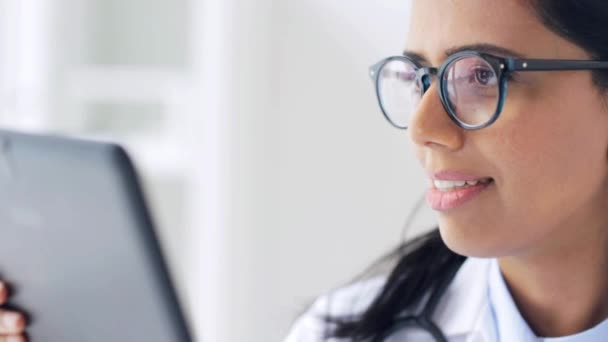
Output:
x=561 y=287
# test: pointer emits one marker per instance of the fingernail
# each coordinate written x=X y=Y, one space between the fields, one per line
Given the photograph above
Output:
x=11 y=319
x=14 y=339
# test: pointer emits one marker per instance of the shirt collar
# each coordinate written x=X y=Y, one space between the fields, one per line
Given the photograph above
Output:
x=510 y=324
x=464 y=305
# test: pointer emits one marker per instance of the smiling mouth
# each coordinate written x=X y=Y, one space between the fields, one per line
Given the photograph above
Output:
x=453 y=194
x=452 y=185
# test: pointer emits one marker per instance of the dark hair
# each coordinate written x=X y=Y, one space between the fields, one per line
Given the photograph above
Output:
x=422 y=262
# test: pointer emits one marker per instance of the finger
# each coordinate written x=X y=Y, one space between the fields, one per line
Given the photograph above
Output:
x=11 y=322
x=14 y=338
x=3 y=293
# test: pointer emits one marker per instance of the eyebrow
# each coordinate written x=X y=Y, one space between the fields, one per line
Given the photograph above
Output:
x=481 y=47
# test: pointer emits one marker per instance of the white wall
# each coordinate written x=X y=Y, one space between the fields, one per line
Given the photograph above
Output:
x=321 y=183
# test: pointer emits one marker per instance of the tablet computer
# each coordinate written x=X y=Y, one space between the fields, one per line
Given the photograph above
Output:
x=78 y=246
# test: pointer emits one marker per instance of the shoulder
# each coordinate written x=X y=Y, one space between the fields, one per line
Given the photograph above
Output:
x=466 y=291
x=342 y=302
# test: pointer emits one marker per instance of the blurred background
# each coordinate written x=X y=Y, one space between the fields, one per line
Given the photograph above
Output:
x=272 y=175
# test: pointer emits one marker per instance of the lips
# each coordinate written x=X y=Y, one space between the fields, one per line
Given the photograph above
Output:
x=451 y=189
x=444 y=185
x=455 y=176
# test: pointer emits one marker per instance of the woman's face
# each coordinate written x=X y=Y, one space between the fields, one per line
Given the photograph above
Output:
x=547 y=152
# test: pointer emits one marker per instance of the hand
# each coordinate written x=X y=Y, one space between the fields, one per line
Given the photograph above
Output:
x=12 y=323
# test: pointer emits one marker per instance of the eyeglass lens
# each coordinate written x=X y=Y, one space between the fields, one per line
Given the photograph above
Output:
x=398 y=91
x=470 y=84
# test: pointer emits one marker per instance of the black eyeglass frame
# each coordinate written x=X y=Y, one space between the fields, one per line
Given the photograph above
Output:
x=502 y=66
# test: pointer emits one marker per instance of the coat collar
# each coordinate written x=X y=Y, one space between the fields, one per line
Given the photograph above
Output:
x=477 y=306
x=464 y=309
x=511 y=326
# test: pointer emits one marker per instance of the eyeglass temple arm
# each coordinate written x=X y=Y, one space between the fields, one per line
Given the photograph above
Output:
x=552 y=64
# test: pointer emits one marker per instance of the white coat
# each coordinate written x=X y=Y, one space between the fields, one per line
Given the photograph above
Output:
x=460 y=314
x=465 y=312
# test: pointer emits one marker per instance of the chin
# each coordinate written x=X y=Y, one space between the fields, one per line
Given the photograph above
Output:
x=471 y=241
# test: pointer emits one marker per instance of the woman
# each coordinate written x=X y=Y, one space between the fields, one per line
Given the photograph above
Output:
x=519 y=179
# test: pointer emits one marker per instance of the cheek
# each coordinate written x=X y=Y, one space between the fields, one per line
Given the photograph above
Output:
x=535 y=164
x=552 y=162
x=554 y=145
x=549 y=161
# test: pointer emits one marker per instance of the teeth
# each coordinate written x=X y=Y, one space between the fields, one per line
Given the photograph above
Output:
x=449 y=185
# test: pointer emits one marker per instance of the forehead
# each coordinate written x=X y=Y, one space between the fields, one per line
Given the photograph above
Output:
x=440 y=25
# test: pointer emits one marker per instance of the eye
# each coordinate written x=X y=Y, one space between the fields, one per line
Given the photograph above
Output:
x=399 y=75
x=483 y=76
x=406 y=76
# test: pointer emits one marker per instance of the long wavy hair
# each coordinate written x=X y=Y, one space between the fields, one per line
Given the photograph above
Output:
x=422 y=262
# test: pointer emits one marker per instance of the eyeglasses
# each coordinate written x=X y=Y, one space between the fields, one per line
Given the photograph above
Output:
x=472 y=85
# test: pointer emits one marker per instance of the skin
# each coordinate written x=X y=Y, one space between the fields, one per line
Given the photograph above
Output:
x=544 y=217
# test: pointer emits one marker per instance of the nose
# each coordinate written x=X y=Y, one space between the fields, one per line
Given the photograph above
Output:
x=430 y=126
